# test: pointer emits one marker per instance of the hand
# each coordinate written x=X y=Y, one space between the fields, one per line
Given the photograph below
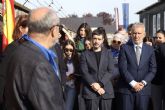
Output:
x=95 y=86
x=141 y=85
x=138 y=87
x=101 y=91
x=70 y=77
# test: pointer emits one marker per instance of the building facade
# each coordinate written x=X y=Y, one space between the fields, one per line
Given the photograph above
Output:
x=153 y=17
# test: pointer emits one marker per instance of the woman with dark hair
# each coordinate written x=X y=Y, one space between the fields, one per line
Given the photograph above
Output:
x=158 y=83
x=160 y=37
x=83 y=32
x=21 y=26
x=105 y=36
x=19 y=30
x=148 y=40
x=87 y=44
x=71 y=60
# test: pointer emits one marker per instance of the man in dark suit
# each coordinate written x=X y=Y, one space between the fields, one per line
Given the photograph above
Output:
x=33 y=80
x=137 y=67
x=96 y=66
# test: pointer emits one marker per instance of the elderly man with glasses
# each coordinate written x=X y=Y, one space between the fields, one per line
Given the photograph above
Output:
x=33 y=78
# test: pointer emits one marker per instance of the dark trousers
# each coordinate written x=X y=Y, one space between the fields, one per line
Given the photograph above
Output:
x=94 y=104
x=133 y=101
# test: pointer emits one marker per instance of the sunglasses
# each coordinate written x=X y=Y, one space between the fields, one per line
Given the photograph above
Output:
x=67 y=50
x=116 y=42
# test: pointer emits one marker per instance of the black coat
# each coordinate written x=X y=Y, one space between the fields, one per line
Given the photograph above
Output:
x=162 y=67
x=5 y=57
x=91 y=73
x=31 y=82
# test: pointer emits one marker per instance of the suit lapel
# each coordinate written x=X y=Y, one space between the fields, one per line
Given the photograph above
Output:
x=143 y=55
x=132 y=52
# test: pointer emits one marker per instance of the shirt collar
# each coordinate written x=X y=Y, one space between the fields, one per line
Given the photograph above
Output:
x=140 y=45
x=47 y=52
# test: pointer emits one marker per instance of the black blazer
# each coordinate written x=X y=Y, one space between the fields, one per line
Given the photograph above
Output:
x=130 y=70
x=91 y=73
x=31 y=82
x=160 y=56
x=4 y=63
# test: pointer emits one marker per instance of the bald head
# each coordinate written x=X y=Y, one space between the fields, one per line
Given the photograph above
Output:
x=42 y=19
x=38 y=14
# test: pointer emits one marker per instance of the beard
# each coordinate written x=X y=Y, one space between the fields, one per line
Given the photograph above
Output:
x=96 y=46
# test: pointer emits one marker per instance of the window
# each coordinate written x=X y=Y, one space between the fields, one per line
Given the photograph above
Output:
x=154 y=25
x=144 y=22
x=158 y=21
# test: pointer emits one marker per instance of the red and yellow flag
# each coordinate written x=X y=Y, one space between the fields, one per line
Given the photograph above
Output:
x=8 y=22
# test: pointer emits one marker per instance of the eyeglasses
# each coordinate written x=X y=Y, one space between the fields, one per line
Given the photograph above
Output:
x=67 y=50
x=116 y=42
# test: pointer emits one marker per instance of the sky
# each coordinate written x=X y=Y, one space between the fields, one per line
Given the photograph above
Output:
x=81 y=7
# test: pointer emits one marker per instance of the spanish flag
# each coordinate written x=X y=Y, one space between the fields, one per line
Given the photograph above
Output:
x=8 y=22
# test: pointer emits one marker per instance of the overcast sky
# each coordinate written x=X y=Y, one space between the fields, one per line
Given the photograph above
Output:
x=80 y=7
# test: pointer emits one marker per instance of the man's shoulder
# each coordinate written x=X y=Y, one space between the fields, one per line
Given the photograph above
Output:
x=151 y=48
x=162 y=46
x=87 y=51
x=125 y=46
x=27 y=51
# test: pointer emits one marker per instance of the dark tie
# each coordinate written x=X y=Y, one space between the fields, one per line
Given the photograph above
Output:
x=138 y=54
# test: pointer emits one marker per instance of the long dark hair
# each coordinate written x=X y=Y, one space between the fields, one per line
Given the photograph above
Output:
x=22 y=21
x=104 y=36
x=87 y=31
x=69 y=42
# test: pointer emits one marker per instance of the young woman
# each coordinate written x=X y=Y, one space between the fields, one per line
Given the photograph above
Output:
x=21 y=27
x=71 y=60
x=158 y=81
x=83 y=32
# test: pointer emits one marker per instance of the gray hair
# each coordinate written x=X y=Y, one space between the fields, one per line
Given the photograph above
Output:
x=44 y=24
x=138 y=25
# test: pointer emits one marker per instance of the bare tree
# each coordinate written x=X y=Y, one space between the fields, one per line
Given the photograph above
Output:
x=88 y=15
x=73 y=16
x=107 y=18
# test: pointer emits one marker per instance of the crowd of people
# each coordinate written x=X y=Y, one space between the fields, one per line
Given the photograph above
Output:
x=45 y=68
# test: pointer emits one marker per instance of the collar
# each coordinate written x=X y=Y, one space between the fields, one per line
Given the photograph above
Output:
x=140 y=45
x=49 y=54
x=46 y=51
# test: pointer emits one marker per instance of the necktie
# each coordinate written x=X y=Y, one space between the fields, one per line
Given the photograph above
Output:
x=138 y=54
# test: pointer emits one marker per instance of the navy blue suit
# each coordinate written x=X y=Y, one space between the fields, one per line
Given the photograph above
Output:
x=130 y=70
